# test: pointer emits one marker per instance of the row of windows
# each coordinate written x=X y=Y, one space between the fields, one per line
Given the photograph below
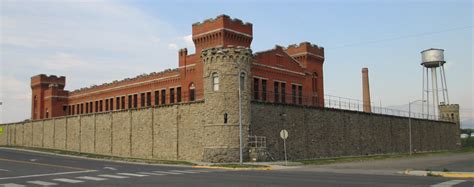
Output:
x=159 y=98
x=279 y=91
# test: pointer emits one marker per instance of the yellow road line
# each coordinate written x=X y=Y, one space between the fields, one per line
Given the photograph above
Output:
x=42 y=164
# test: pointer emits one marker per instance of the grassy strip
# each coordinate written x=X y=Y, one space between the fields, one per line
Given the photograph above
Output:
x=98 y=156
x=323 y=161
x=237 y=166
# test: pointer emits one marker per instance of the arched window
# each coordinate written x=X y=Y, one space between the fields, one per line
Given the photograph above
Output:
x=192 y=92
x=215 y=82
x=242 y=81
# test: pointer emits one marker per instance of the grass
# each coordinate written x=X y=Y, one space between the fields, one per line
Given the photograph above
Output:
x=323 y=161
x=98 y=156
x=237 y=166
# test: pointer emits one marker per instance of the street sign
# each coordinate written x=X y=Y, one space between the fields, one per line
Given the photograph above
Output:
x=284 y=134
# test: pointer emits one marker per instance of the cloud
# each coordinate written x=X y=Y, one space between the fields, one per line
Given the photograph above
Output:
x=88 y=42
x=173 y=46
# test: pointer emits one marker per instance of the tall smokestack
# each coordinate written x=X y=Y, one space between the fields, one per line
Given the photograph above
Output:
x=366 y=90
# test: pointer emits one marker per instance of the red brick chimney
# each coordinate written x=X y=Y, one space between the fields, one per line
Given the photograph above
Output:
x=366 y=90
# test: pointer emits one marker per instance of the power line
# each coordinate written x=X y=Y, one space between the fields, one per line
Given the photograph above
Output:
x=400 y=37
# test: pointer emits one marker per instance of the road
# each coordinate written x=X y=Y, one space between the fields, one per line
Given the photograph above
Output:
x=23 y=168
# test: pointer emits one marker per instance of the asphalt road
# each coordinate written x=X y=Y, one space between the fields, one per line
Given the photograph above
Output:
x=23 y=168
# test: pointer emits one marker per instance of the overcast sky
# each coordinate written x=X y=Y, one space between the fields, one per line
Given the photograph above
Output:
x=92 y=42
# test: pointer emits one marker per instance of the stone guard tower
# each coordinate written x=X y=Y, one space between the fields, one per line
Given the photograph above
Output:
x=223 y=45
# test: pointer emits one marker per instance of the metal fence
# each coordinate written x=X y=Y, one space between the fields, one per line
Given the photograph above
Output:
x=336 y=102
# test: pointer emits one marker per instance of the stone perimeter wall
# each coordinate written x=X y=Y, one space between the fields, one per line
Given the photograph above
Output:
x=166 y=133
x=316 y=132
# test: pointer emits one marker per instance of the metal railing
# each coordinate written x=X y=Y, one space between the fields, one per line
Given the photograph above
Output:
x=343 y=103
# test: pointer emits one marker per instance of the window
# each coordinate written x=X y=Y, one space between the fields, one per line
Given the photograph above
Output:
x=90 y=106
x=178 y=94
x=96 y=106
x=192 y=92
x=255 y=88
x=78 y=109
x=111 y=104
x=117 y=103
x=106 y=104
x=142 y=100
x=73 y=108
x=300 y=94
x=65 y=109
x=157 y=97
x=276 y=90
x=47 y=113
x=215 y=82
x=135 y=100
x=283 y=92
x=171 y=95
x=163 y=97
x=314 y=82
x=293 y=93
x=87 y=108
x=264 y=90
x=123 y=102
x=82 y=108
x=101 y=106
x=130 y=101
x=242 y=81
x=148 y=99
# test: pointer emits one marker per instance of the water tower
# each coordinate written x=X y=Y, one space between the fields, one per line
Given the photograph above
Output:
x=433 y=62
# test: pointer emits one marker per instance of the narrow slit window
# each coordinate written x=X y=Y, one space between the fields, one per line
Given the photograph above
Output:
x=178 y=94
x=215 y=82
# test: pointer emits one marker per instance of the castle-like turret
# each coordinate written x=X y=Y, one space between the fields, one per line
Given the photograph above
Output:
x=49 y=99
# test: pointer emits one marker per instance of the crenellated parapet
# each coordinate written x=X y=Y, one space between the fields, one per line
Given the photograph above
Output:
x=305 y=48
x=221 y=31
x=230 y=53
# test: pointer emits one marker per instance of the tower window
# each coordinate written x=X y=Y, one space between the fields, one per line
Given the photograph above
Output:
x=192 y=92
x=215 y=82
x=242 y=81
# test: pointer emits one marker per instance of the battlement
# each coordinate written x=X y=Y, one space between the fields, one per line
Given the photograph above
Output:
x=45 y=79
x=221 y=30
x=449 y=106
x=305 y=48
x=222 y=21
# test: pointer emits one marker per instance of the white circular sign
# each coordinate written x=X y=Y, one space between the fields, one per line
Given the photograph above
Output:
x=284 y=134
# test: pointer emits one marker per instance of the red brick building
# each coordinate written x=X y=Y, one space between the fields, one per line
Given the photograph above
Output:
x=292 y=75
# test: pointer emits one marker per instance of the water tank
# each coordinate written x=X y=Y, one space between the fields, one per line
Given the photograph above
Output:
x=432 y=57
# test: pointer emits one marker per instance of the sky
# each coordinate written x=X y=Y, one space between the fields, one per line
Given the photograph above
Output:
x=92 y=42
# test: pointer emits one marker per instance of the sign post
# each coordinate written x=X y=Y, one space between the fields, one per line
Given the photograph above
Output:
x=284 y=136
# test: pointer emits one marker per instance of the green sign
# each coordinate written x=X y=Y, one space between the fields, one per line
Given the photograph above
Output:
x=1 y=130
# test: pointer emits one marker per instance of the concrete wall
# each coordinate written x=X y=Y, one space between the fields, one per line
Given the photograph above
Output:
x=315 y=132
x=171 y=132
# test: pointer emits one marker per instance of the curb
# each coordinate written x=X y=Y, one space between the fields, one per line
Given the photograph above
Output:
x=266 y=168
x=439 y=174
